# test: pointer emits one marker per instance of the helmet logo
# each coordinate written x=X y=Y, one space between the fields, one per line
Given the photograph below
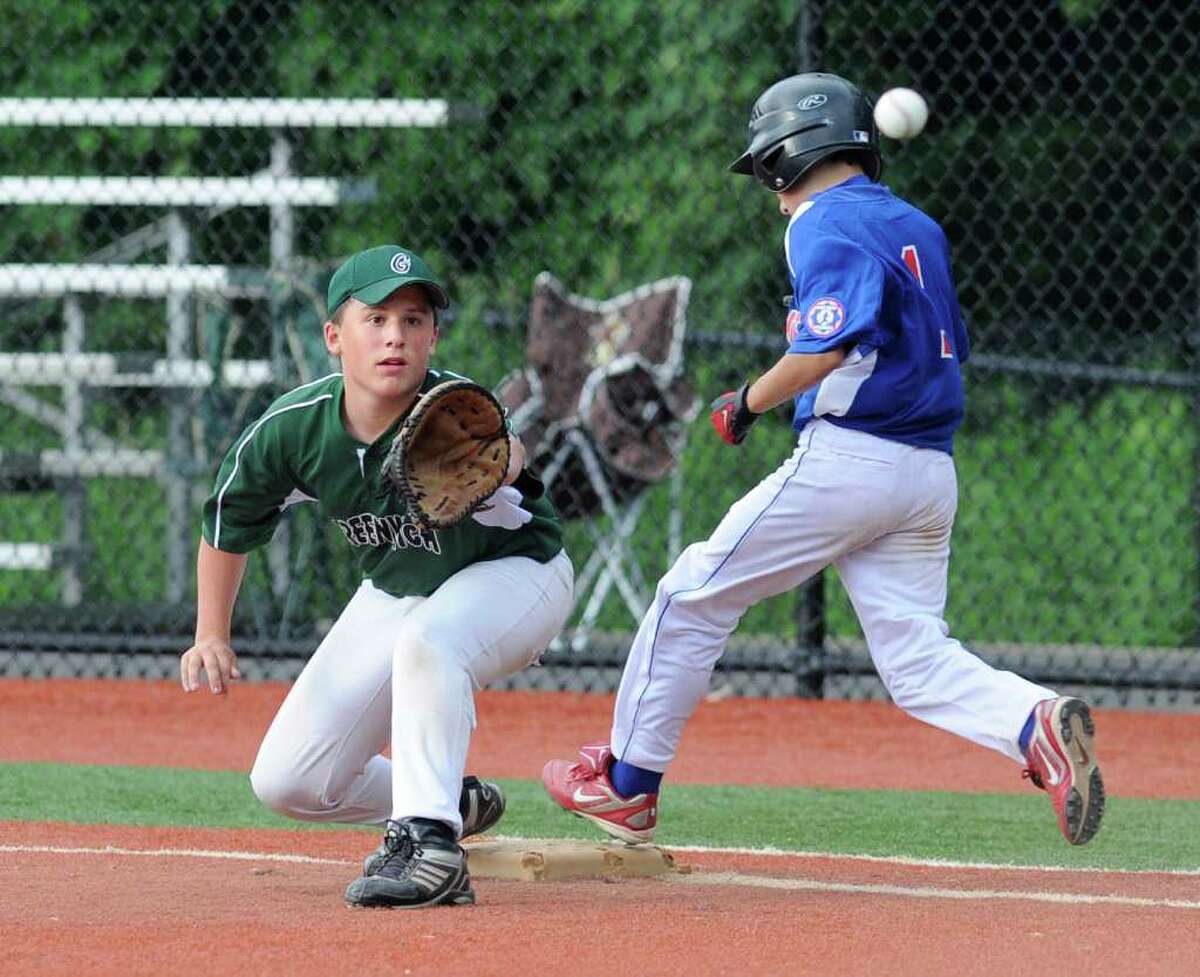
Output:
x=811 y=102
x=401 y=262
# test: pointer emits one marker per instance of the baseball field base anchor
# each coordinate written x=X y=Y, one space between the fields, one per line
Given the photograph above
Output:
x=552 y=860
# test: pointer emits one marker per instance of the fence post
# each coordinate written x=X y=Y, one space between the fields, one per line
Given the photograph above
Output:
x=282 y=232
x=807 y=55
x=74 y=491
x=176 y=481
x=810 y=599
x=810 y=639
x=1194 y=365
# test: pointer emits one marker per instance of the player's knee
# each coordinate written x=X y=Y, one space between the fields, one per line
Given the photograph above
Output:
x=687 y=609
x=280 y=790
x=691 y=564
x=909 y=677
x=271 y=789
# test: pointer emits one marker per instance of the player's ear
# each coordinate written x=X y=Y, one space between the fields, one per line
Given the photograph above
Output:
x=333 y=339
x=437 y=325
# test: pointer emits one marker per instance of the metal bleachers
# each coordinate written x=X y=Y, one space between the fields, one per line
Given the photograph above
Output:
x=52 y=387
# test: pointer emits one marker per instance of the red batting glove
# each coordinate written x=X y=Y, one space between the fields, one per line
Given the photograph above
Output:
x=731 y=417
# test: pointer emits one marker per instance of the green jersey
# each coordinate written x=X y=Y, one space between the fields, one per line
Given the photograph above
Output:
x=299 y=451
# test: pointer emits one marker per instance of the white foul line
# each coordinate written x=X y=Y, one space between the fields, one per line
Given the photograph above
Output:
x=694 y=878
x=922 y=892
x=240 y=856
x=901 y=860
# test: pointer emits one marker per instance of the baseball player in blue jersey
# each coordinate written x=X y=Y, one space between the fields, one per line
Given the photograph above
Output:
x=439 y=613
x=875 y=341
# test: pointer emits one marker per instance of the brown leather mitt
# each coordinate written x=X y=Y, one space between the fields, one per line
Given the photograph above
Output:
x=451 y=453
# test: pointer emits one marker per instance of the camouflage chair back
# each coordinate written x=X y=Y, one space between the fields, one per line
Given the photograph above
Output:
x=611 y=370
x=602 y=407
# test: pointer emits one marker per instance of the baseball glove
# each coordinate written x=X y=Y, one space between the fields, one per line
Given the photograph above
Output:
x=451 y=453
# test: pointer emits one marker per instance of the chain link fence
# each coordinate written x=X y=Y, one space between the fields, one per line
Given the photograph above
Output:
x=179 y=180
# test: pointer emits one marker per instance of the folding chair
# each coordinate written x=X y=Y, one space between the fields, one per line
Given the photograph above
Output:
x=603 y=409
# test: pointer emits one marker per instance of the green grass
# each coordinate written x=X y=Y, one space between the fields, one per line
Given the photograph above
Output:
x=1016 y=829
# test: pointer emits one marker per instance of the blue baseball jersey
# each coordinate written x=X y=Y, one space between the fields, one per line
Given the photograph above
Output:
x=871 y=273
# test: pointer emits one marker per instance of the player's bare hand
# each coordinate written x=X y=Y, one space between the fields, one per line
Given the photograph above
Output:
x=217 y=659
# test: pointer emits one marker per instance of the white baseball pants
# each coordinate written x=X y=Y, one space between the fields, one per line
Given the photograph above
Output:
x=879 y=511
x=403 y=671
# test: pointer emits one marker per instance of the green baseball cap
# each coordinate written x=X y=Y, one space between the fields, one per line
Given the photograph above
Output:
x=372 y=275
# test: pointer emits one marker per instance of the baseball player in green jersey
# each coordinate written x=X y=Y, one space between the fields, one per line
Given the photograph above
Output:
x=439 y=613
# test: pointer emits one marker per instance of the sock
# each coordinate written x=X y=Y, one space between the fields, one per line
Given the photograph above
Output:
x=629 y=780
x=1026 y=733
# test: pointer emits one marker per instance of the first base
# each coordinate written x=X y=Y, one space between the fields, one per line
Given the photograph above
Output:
x=550 y=860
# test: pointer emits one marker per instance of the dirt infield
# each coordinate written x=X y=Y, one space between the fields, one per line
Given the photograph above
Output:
x=99 y=900
x=94 y=914
x=735 y=741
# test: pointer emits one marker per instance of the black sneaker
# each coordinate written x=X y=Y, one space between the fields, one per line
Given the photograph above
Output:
x=423 y=866
x=481 y=805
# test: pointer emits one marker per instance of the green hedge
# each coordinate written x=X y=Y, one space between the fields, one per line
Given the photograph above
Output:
x=1067 y=530
x=594 y=143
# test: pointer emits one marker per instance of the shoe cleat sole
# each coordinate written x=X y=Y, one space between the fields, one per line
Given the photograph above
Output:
x=1085 y=802
x=381 y=900
x=630 y=836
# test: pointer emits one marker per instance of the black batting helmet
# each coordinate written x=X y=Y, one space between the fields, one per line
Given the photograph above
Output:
x=799 y=121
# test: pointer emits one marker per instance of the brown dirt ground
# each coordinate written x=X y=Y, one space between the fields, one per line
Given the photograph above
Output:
x=89 y=915
x=106 y=914
x=739 y=741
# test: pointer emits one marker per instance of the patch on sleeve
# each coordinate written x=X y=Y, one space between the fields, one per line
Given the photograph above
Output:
x=825 y=317
x=791 y=328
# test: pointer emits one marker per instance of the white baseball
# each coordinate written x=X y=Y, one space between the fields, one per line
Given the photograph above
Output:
x=901 y=113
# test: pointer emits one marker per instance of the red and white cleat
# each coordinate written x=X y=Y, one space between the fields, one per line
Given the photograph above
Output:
x=584 y=789
x=1062 y=762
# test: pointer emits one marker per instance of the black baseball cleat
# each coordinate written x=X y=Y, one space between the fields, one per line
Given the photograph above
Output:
x=423 y=866
x=481 y=805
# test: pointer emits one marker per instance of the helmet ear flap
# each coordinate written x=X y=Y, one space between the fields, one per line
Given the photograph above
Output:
x=780 y=167
x=770 y=160
x=872 y=164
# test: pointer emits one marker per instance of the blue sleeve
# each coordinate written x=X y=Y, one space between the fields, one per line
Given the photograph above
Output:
x=836 y=297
